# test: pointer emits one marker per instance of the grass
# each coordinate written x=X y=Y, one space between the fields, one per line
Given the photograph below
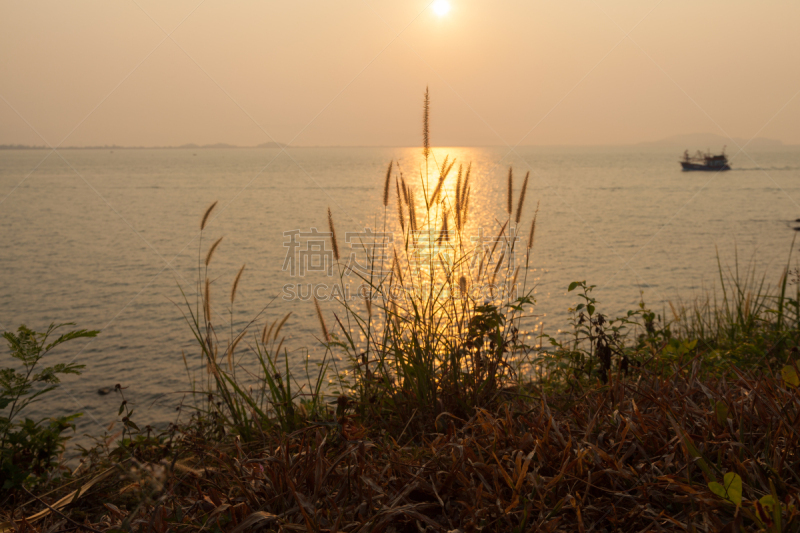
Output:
x=428 y=411
x=626 y=456
x=430 y=344
x=745 y=321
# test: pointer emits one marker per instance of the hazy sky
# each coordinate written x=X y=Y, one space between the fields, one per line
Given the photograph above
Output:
x=342 y=72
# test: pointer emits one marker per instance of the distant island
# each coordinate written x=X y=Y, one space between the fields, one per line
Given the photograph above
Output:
x=115 y=147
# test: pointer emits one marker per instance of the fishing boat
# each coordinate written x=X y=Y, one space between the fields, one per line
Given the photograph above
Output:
x=707 y=161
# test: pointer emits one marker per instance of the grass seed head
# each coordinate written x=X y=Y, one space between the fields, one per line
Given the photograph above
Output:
x=522 y=197
x=210 y=253
x=442 y=176
x=236 y=284
x=325 y=334
x=207 y=214
x=533 y=227
x=386 y=184
x=280 y=325
x=400 y=207
x=334 y=242
x=458 y=187
x=426 y=109
x=265 y=333
x=510 y=206
x=465 y=213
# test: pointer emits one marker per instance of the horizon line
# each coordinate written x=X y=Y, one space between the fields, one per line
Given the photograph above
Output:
x=274 y=145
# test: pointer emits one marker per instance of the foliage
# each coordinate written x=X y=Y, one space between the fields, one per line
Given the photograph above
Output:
x=597 y=344
x=730 y=489
x=29 y=448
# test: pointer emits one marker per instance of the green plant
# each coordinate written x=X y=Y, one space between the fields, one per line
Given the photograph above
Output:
x=598 y=341
x=29 y=448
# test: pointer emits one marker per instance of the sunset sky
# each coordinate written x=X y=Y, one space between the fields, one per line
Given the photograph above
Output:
x=352 y=72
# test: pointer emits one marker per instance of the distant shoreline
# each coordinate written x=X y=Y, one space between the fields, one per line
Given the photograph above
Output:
x=690 y=141
x=115 y=147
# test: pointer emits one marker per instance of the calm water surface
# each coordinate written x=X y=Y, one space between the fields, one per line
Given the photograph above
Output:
x=107 y=239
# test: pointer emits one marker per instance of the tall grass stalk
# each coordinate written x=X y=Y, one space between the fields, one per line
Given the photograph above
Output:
x=426 y=342
x=266 y=394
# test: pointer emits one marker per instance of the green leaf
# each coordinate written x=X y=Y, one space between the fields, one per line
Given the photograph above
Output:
x=789 y=375
x=81 y=333
x=730 y=489
x=768 y=502
x=5 y=401
x=573 y=285
x=721 y=410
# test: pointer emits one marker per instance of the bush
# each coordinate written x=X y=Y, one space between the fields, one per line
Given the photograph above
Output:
x=29 y=448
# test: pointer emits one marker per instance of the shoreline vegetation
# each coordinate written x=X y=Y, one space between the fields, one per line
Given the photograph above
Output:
x=429 y=410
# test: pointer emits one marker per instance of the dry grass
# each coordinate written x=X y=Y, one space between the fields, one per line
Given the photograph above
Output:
x=635 y=455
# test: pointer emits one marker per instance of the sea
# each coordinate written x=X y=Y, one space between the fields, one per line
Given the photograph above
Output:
x=110 y=240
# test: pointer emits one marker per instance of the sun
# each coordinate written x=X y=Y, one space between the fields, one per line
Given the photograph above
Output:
x=441 y=7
